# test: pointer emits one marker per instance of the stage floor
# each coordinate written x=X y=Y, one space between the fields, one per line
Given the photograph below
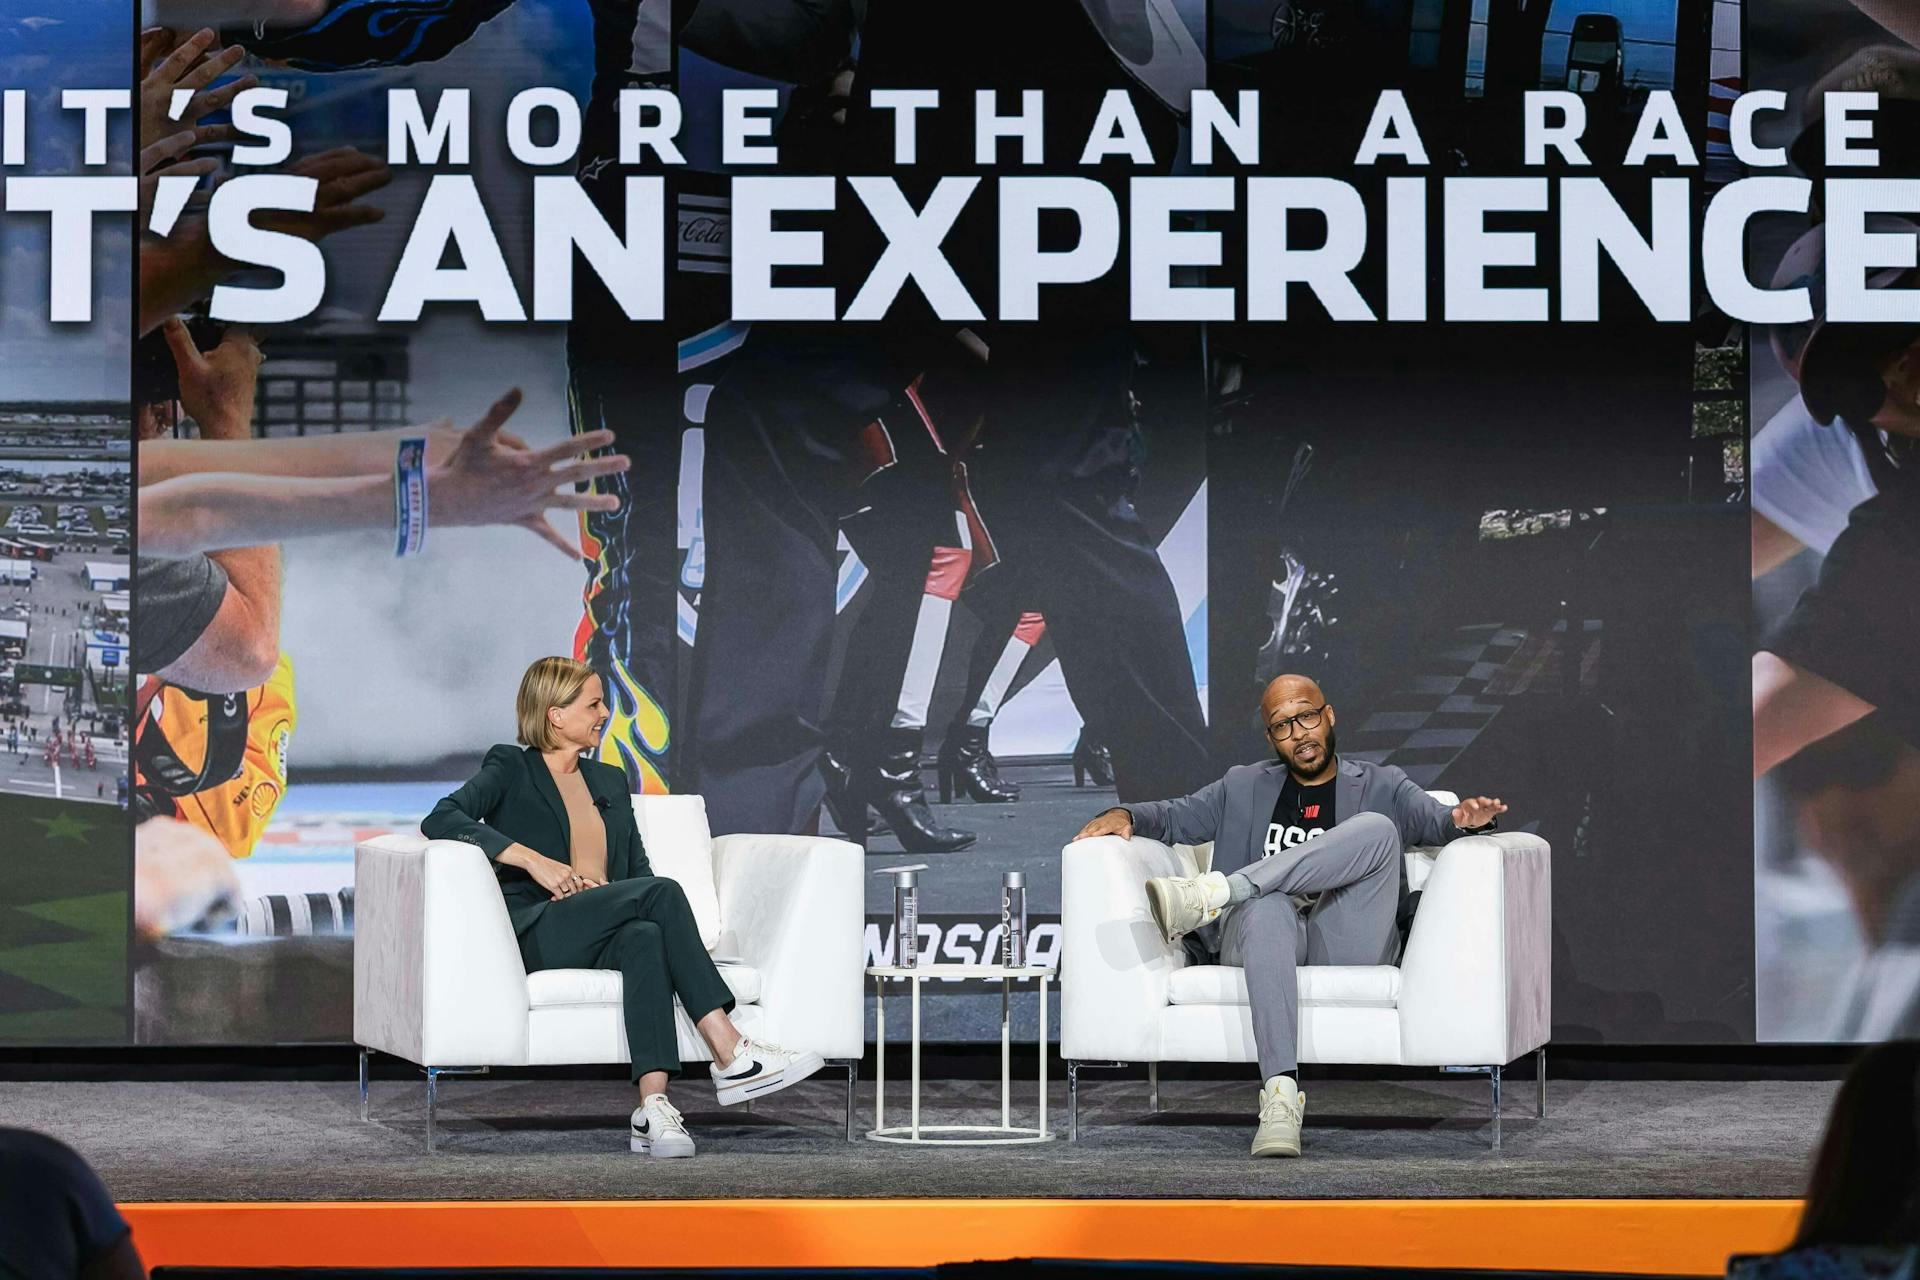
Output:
x=564 y=1140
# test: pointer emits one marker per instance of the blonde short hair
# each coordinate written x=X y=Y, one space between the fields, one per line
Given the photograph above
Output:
x=549 y=683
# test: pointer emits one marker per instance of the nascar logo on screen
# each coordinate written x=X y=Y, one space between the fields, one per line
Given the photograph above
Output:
x=964 y=939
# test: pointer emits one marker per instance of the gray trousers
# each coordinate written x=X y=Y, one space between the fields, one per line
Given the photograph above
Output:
x=1354 y=868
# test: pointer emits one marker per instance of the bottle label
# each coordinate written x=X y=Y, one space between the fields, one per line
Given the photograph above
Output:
x=906 y=919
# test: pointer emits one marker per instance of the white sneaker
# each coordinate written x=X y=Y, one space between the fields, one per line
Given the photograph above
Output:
x=760 y=1068
x=657 y=1129
x=1182 y=904
x=1282 y=1108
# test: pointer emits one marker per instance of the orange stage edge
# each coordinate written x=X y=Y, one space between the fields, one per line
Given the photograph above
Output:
x=1683 y=1237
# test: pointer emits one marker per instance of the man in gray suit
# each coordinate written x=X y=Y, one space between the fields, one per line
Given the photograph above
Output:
x=1308 y=868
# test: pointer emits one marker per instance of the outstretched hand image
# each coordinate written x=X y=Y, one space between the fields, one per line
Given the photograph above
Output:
x=483 y=480
x=182 y=269
x=169 y=64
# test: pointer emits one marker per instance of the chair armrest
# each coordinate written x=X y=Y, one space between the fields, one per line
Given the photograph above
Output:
x=1476 y=981
x=437 y=974
x=1114 y=965
x=796 y=906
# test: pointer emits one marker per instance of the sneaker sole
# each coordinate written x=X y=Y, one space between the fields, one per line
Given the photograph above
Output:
x=1157 y=904
x=802 y=1067
x=658 y=1150
x=1276 y=1149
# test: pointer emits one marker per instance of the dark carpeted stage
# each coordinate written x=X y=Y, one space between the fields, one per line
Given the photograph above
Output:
x=565 y=1140
x=1649 y=1177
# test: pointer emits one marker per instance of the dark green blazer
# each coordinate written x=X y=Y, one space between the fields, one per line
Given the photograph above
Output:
x=513 y=800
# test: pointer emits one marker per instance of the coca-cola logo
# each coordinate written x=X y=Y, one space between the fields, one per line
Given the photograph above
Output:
x=703 y=229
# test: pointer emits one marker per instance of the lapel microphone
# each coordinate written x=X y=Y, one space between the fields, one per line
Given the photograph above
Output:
x=600 y=803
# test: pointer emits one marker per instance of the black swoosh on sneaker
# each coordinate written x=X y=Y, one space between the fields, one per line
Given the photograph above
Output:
x=753 y=1069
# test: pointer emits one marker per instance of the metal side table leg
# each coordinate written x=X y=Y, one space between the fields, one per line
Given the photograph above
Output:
x=1043 y=1053
x=914 y=1118
x=879 y=1052
x=1006 y=1053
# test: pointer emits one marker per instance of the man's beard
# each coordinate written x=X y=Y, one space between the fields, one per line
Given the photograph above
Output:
x=1332 y=751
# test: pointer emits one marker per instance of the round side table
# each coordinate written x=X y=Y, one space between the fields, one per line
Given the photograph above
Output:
x=958 y=1134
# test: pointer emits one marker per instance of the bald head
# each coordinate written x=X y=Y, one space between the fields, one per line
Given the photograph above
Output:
x=1286 y=691
x=1307 y=752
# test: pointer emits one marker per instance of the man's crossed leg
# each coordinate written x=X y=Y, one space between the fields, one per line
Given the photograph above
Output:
x=1354 y=870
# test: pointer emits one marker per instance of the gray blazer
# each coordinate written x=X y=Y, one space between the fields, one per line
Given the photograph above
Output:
x=1234 y=813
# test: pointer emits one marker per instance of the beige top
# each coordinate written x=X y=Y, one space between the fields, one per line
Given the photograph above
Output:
x=589 y=830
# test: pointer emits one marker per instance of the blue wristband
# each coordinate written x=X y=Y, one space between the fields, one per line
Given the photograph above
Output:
x=410 y=496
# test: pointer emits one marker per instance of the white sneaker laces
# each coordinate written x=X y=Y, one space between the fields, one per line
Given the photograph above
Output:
x=1276 y=1105
x=669 y=1115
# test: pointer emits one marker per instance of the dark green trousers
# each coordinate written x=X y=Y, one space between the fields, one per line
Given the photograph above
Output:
x=644 y=928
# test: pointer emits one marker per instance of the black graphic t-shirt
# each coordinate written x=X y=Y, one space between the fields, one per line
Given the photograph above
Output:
x=1301 y=814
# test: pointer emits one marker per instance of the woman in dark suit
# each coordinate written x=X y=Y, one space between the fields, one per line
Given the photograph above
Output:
x=559 y=828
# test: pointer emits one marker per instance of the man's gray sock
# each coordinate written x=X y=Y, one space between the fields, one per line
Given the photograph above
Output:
x=1239 y=888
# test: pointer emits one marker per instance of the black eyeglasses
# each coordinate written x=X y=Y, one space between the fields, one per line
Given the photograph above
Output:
x=1283 y=729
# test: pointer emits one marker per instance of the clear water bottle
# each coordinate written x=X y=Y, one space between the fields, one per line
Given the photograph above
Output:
x=906 y=919
x=1013 y=919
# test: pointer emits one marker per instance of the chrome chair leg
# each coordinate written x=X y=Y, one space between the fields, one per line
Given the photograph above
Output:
x=365 y=1111
x=1494 y=1072
x=1540 y=1078
x=1153 y=1087
x=1074 y=1068
x=853 y=1092
x=1073 y=1101
x=433 y=1096
x=433 y=1104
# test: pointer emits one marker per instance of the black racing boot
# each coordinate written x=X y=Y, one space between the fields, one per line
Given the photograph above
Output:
x=847 y=808
x=964 y=758
x=1091 y=759
x=894 y=789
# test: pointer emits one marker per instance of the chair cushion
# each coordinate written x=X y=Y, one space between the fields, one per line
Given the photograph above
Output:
x=549 y=987
x=680 y=846
x=1352 y=986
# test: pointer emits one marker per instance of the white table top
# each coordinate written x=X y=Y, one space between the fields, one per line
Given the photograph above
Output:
x=959 y=971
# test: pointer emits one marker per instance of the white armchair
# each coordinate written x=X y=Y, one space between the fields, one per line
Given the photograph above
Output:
x=1471 y=993
x=438 y=980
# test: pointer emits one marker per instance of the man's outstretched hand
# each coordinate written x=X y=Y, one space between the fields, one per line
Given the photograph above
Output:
x=1477 y=812
x=1114 y=822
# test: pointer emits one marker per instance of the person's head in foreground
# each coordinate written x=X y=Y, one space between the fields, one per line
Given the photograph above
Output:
x=1866 y=1178
x=1862 y=1216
